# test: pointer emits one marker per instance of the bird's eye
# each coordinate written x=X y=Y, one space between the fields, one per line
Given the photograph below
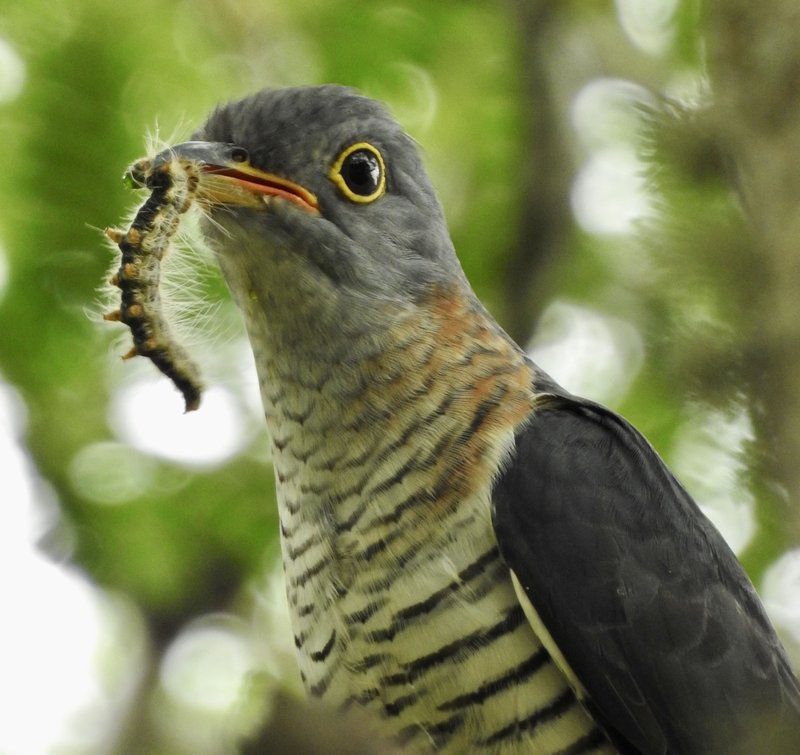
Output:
x=359 y=172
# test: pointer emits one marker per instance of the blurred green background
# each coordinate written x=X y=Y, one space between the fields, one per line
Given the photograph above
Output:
x=621 y=185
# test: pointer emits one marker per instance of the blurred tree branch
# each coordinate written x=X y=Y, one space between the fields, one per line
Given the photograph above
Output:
x=754 y=63
x=546 y=219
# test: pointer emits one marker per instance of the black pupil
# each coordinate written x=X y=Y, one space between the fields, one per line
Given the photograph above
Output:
x=361 y=172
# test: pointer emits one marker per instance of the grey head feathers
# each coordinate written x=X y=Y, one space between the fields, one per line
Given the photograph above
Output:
x=394 y=248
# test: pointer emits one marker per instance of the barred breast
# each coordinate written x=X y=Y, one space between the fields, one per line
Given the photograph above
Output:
x=400 y=601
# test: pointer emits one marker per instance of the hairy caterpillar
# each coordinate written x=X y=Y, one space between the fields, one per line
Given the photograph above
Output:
x=173 y=184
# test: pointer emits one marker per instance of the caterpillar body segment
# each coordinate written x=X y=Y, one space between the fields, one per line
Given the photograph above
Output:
x=173 y=187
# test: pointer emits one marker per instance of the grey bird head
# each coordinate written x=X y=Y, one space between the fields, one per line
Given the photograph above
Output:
x=319 y=204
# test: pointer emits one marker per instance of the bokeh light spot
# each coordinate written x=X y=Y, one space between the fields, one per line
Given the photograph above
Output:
x=589 y=353
x=13 y=412
x=606 y=111
x=65 y=680
x=780 y=590
x=412 y=94
x=609 y=194
x=649 y=24
x=207 y=665
x=12 y=72
x=271 y=618
x=707 y=458
x=50 y=635
x=29 y=510
x=149 y=415
x=690 y=88
x=111 y=473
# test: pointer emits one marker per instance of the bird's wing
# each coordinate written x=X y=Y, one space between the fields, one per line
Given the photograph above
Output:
x=625 y=579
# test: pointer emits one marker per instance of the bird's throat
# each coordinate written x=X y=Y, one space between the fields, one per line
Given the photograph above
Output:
x=397 y=439
x=423 y=407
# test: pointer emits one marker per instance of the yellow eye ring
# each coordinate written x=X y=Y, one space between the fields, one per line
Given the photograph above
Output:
x=360 y=173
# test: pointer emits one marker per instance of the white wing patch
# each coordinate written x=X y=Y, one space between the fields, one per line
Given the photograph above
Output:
x=547 y=639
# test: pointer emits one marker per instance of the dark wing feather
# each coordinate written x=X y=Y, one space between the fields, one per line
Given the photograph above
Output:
x=645 y=600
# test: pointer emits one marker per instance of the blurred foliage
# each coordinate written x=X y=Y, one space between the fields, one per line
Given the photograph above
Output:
x=487 y=89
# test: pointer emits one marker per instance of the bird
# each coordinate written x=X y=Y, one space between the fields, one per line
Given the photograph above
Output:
x=479 y=558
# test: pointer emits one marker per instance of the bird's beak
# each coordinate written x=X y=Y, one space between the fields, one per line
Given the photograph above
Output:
x=228 y=178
